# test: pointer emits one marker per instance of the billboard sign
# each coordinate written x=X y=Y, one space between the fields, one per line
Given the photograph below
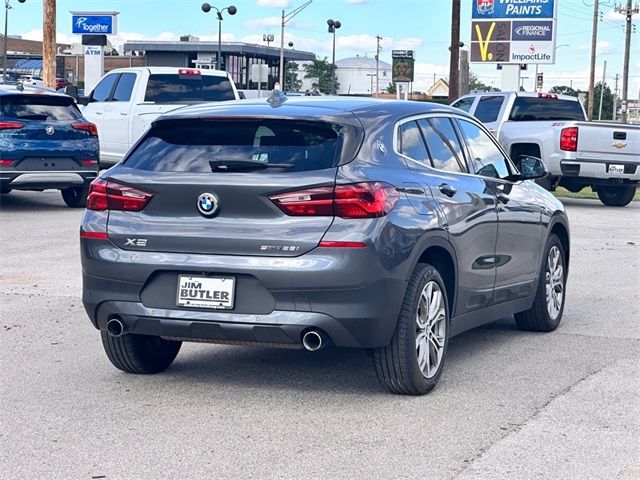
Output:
x=402 y=66
x=513 y=31
x=94 y=23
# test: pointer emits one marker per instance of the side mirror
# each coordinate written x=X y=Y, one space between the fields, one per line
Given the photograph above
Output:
x=72 y=91
x=84 y=100
x=531 y=167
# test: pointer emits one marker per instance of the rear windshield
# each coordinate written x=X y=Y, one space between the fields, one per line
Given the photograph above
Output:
x=38 y=107
x=173 y=88
x=536 y=108
x=238 y=145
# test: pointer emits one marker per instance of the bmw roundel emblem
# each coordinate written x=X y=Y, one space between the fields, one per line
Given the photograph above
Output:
x=49 y=130
x=208 y=204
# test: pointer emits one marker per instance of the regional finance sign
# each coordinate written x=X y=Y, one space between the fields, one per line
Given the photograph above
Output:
x=513 y=31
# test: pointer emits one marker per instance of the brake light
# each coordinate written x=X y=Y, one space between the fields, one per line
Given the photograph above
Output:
x=5 y=163
x=9 y=125
x=188 y=71
x=332 y=244
x=359 y=200
x=94 y=235
x=569 y=139
x=86 y=127
x=105 y=195
x=551 y=96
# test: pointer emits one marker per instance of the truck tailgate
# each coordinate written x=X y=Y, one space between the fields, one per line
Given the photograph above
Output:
x=608 y=141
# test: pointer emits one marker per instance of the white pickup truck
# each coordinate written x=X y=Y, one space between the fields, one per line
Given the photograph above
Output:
x=577 y=153
x=126 y=100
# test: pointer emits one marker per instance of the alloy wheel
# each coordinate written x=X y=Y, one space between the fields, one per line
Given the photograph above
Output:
x=554 y=279
x=431 y=324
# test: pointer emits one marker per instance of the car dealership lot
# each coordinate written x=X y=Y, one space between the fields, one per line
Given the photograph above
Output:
x=510 y=404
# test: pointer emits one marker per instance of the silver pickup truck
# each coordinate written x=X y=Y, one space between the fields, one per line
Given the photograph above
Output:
x=577 y=153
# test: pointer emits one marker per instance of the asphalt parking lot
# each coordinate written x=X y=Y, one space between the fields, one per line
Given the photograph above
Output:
x=510 y=404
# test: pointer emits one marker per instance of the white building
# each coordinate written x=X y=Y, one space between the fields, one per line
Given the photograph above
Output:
x=357 y=75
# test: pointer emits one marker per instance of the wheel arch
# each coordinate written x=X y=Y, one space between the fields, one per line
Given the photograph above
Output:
x=562 y=232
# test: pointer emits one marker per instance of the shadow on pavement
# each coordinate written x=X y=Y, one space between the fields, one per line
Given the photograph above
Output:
x=18 y=201
x=593 y=203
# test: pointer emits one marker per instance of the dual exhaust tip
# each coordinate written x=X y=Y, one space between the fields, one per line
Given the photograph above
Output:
x=312 y=340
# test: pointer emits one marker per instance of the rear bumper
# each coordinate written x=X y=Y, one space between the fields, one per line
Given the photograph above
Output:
x=342 y=293
x=39 y=180
x=598 y=170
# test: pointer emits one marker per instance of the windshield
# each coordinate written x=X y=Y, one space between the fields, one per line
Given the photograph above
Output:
x=38 y=107
x=223 y=146
x=537 y=108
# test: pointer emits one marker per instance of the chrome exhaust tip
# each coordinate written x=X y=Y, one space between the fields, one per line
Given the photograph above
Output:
x=115 y=327
x=313 y=340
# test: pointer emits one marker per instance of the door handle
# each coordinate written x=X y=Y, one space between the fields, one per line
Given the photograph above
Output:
x=447 y=189
x=124 y=114
x=502 y=197
x=98 y=113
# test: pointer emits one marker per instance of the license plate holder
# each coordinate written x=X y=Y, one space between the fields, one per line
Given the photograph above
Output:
x=216 y=293
x=616 y=169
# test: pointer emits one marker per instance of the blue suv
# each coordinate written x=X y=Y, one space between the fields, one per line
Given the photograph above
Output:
x=46 y=143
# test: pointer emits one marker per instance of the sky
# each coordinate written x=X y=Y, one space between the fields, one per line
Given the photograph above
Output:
x=420 y=25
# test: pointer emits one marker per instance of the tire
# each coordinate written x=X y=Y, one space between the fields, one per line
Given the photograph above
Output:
x=140 y=353
x=399 y=366
x=545 y=313
x=616 y=196
x=75 y=197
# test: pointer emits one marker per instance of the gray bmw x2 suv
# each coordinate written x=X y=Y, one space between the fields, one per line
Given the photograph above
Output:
x=296 y=222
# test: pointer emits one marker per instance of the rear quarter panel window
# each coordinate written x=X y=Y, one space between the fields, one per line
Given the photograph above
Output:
x=443 y=144
x=411 y=142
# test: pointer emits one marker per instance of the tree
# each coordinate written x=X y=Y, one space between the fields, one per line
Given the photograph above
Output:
x=320 y=70
x=291 y=81
x=607 y=102
x=476 y=85
x=391 y=88
x=565 y=90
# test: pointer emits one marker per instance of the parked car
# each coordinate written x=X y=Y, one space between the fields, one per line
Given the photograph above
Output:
x=127 y=100
x=578 y=153
x=367 y=223
x=46 y=143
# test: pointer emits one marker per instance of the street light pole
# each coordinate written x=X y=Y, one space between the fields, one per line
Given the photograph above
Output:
x=285 y=19
x=333 y=26
x=206 y=8
x=7 y=7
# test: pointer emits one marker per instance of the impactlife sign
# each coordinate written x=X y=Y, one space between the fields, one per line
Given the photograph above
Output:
x=513 y=31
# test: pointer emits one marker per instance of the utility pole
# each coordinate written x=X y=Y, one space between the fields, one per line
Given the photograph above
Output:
x=49 y=43
x=628 y=12
x=464 y=72
x=592 y=71
x=604 y=76
x=378 y=38
x=454 y=58
x=615 y=99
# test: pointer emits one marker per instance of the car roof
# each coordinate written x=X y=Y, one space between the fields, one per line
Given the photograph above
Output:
x=560 y=96
x=12 y=89
x=310 y=106
x=168 y=70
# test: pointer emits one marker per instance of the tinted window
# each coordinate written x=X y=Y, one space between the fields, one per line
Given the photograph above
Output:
x=464 y=103
x=535 y=108
x=38 y=107
x=411 y=142
x=172 y=88
x=488 y=108
x=251 y=145
x=486 y=158
x=443 y=144
x=125 y=87
x=103 y=89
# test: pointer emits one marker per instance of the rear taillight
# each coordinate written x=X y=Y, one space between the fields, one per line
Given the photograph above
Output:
x=105 y=195
x=86 y=127
x=9 y=125
x=359 y=200
x=569 y=139
x=6 y=163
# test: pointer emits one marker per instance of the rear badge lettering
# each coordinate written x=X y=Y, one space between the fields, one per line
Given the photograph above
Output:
x=279 y=248
x=135 y=242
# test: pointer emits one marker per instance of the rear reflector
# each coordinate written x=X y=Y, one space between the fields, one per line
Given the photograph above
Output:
x=9 y=125
x=358 y=200
x=86 y=127
x=569 y=139
x=5 y=163
x=94 y=235
x=89 y=163
x=105 y=195
x=331 y=244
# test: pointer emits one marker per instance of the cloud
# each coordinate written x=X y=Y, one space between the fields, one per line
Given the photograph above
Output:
x=64 y=38
x=273 y=3
x=602 y=47
x=613 y=16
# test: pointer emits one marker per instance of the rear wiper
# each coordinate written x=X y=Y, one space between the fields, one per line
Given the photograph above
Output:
x=234 y=165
